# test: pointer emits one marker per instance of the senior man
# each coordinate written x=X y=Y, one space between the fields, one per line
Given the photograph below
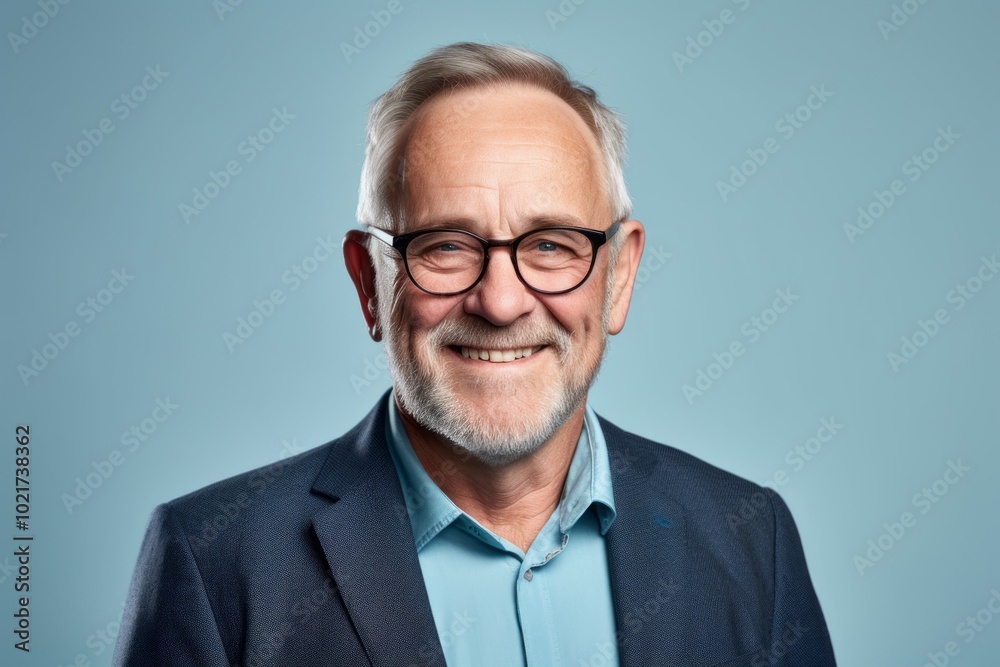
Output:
x=482 y=513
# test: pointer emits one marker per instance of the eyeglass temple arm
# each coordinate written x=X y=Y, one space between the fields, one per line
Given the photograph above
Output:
x=381 y=235
x=612 y=230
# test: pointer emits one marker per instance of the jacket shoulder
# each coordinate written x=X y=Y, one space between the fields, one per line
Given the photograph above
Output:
x=286 y=487
x=262 y=486
x=684 y=470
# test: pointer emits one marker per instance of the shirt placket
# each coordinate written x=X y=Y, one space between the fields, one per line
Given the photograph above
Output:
x=534 y=604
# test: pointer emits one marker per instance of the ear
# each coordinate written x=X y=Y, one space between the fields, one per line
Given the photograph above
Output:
x=362 y=271
x=625 y=273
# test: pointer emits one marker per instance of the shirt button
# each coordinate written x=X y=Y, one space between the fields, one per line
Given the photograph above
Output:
x=528 y=575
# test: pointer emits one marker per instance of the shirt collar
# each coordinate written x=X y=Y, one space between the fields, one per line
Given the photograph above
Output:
x=588 y=481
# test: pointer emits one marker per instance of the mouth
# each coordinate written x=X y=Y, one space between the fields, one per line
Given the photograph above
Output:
x=496 y=356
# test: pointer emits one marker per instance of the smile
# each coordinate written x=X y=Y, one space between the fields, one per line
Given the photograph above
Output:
x=497 y=356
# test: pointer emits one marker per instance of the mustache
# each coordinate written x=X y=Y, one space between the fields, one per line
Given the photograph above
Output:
x=478 y=333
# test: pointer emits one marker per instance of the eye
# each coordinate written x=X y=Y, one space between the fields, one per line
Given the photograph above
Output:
x=442 y=243
x=547 y=246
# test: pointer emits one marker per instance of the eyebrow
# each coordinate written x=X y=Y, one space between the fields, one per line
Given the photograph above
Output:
x=470 y=225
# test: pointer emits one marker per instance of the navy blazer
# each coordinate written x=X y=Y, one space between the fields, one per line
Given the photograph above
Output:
x=311 y=561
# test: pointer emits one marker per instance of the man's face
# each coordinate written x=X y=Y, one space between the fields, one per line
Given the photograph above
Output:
x=498 y=162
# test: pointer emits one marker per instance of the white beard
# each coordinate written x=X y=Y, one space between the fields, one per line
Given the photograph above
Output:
x=522 y=421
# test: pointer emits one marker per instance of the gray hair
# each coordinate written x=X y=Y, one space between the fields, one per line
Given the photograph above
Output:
x=468 y=64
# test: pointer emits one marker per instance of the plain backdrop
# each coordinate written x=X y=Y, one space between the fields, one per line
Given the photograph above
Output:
x=841 y=153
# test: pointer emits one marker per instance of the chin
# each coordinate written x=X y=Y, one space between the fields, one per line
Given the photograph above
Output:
x=498 y=420
x=498 y=412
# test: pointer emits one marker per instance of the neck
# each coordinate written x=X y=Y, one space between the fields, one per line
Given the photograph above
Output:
x=514 y=500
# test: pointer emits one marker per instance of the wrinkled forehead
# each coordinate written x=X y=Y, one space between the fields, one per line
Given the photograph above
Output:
x=459 y=133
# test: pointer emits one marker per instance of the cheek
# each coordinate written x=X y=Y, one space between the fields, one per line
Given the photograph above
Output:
x=579 y=312
x=420 y=312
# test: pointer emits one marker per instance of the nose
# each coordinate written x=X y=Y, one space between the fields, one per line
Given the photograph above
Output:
x=500 y=297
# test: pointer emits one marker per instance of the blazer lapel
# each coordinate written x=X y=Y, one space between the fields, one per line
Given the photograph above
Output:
x=648 y=558
x=367 y=540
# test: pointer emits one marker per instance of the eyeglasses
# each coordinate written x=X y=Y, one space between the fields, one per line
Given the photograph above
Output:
x=550 y=260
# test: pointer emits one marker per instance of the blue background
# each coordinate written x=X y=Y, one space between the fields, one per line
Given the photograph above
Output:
x=300 y=378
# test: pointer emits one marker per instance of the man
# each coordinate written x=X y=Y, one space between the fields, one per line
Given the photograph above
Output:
x=482 y=514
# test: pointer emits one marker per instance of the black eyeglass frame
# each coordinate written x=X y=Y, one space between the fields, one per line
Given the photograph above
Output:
x=401 y=243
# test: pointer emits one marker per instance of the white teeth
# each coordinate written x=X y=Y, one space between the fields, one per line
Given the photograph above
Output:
x=497 y=356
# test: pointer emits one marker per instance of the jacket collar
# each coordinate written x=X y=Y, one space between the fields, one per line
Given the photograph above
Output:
x=380 y=581
x=366 y=538
x=647 y=556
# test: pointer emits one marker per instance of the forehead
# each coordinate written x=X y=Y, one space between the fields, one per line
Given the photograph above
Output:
x=496 y=108
x=505 y=140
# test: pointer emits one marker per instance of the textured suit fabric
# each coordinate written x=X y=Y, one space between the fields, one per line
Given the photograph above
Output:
x=311 y=561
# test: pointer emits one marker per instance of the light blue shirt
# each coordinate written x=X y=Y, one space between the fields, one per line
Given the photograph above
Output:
x=496 y=605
